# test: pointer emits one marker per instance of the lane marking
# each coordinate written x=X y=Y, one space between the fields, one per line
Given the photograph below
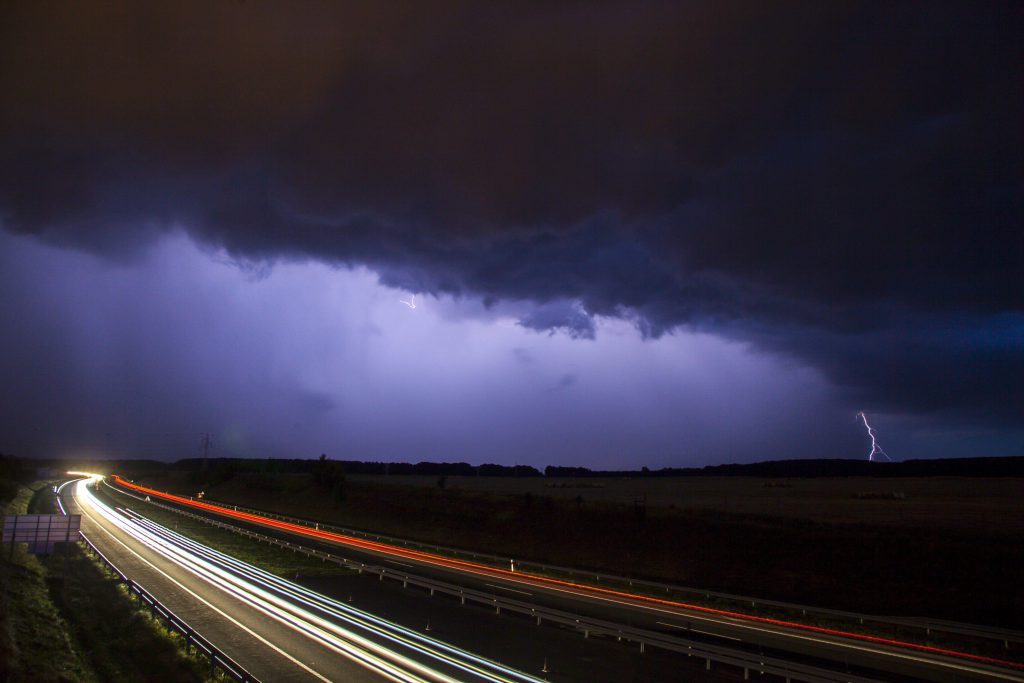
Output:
x=593 y=593
x=697 y=630
x=511 y=590
x=234 y=621
x=400 y=564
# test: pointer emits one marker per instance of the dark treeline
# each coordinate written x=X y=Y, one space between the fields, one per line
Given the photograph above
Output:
x=953 y=467
x=219 y=469
x=297 y=466
x=13 y=472
x=99 y=465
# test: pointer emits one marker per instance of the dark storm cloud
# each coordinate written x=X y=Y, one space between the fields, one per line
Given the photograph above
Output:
x=838 y=181
x=564 y=316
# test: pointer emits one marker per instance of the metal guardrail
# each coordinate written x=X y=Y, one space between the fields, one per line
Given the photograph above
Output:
x=747 y=661
x=217 y=659
x=928 y=625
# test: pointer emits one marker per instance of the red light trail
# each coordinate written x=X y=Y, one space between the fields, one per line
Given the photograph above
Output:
x=543 y=581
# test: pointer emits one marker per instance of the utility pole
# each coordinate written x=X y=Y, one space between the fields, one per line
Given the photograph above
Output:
x=205 y=441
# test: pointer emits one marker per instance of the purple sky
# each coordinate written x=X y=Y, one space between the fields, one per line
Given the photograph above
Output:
x=664 y=235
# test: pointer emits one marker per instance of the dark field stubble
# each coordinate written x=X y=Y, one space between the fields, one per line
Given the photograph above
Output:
x=946 y=548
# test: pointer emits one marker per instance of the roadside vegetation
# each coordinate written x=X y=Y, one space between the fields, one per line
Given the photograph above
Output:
x=36 y=643
x=121 y=642
x=64 y=618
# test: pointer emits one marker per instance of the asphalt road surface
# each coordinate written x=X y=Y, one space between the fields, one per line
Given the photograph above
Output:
x=210 y=592
x=882 y=660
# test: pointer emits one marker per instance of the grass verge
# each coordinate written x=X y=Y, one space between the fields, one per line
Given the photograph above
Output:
x=63 y=618
x=121 y=642
x=36 y=643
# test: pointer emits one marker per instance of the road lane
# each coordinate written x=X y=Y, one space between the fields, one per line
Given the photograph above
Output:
x=223 y=597
x=923 y=663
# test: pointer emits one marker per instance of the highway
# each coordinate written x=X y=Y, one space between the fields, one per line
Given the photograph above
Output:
x=278 y=630
x=853 y=653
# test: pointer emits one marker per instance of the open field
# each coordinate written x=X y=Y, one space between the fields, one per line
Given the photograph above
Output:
x=935 y=502
x=948 y=548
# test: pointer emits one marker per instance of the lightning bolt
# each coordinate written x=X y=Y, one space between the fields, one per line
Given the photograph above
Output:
x=875 y=448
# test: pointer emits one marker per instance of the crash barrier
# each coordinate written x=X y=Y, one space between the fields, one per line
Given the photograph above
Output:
x=928 y=625
x=748 y=662
x=218 y=660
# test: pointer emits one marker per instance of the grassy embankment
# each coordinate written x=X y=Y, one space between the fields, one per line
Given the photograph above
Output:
x=65 y=618
x=905 y=564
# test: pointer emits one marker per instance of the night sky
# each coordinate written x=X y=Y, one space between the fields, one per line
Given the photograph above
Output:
x=638 y=233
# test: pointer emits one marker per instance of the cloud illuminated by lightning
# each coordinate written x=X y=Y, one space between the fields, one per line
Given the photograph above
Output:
x=875 y=448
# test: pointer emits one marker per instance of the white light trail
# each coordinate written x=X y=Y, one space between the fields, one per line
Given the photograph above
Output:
x=411 y=303
x=290 y=604
x=875 y=448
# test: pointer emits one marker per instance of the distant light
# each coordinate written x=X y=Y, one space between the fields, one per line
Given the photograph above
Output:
x=93 y=475
x=411 y=303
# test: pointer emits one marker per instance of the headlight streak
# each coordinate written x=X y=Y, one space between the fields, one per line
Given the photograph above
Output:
x=341 y=610
x=58 y=492
x=558 y=584
x=252 y=598
x=216 y=568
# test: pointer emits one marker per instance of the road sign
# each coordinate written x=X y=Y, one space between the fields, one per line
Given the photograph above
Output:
x=40 y=532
